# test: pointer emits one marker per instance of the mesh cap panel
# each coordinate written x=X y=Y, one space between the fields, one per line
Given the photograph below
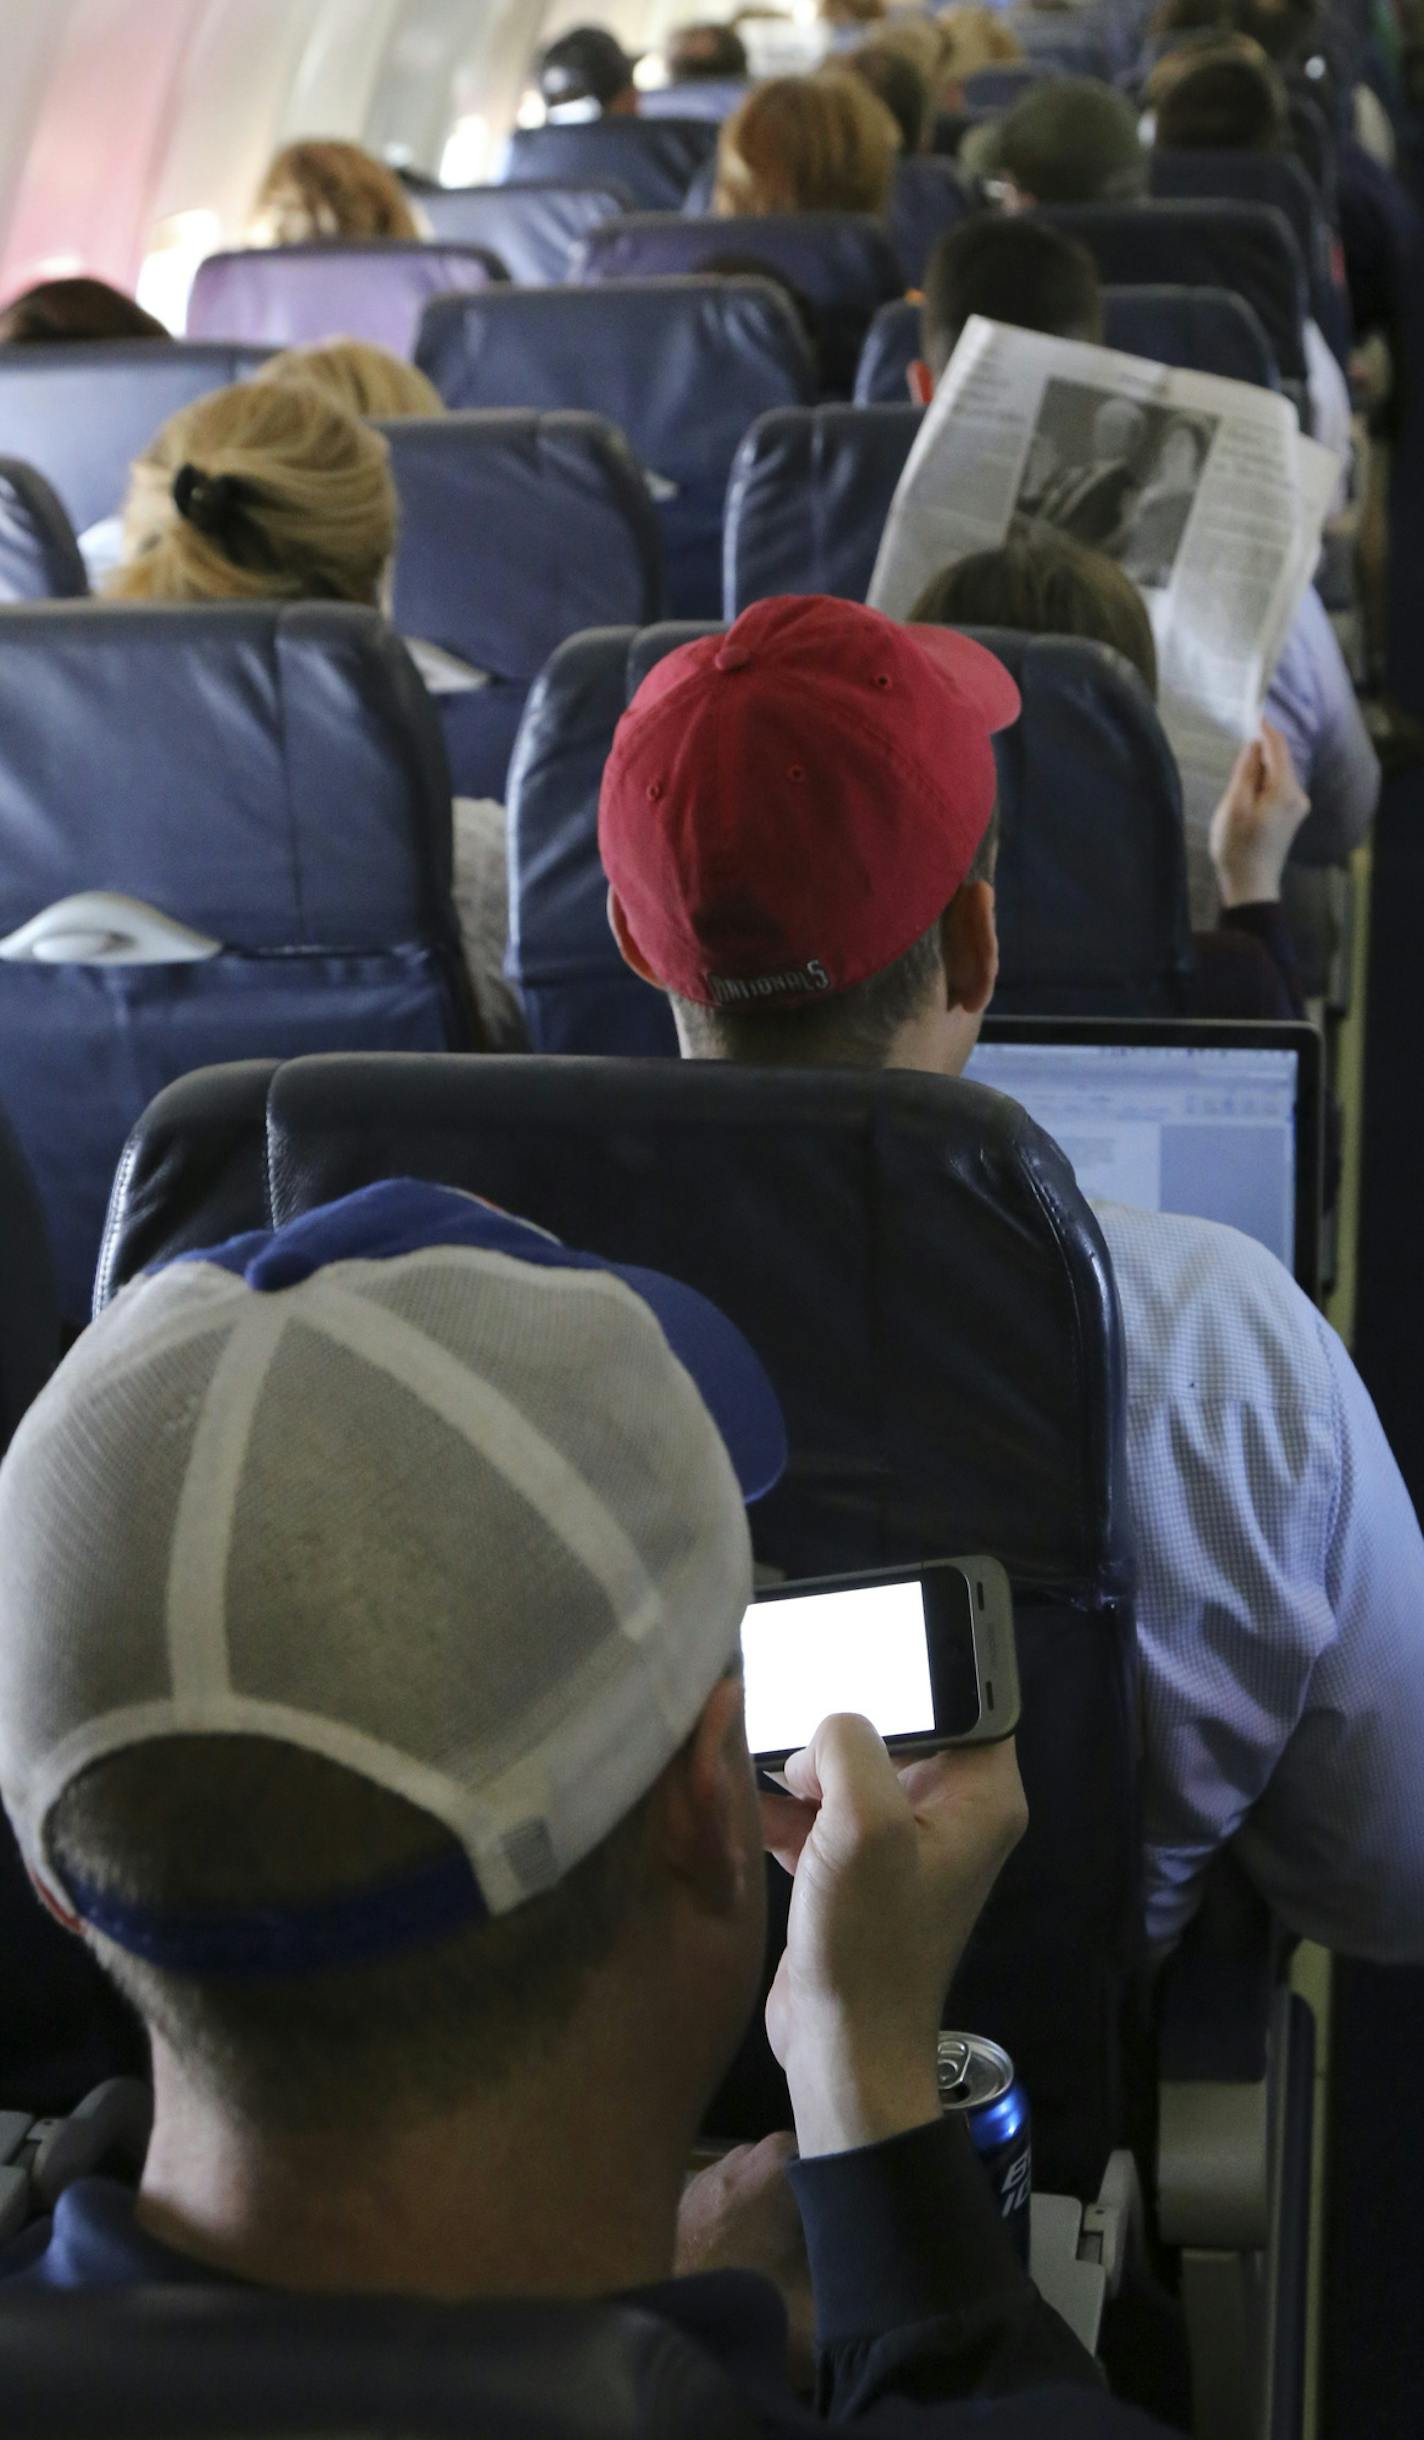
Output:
x=459 y=1523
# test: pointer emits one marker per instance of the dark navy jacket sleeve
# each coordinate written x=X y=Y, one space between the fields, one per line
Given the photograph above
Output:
x=919 y=2293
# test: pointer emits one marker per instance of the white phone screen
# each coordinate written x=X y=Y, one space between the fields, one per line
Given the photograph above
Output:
x=862 y=1648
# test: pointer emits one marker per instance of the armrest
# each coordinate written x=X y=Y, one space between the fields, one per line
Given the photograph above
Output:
x=1217 y=2000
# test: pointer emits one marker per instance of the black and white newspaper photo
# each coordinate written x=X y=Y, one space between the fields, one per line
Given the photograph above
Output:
x=1203 y=490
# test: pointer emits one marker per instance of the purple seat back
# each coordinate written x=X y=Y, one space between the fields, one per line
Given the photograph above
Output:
x=296 y=296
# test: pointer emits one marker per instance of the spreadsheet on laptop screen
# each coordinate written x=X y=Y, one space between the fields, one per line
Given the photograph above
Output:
x=1171 y=1129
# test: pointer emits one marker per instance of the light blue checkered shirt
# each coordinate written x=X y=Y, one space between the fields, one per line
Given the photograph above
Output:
x=1281 y=1598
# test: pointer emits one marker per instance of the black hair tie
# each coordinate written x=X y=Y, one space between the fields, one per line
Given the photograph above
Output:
x=211 y=502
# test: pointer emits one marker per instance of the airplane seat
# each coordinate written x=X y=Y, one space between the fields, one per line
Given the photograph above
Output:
x=517 y=530
x=1268 y=178
x=202 y=2361
x=297 y=296
x=1246 y=247
x=697 y=97
x=1196 y=330
x=39 y=557
x=532 y=230
x=810 y=491
x=892 y=345
x=842 y=263
x=682 y=367
x=577 y=994
x=1051 y=39
x=1003 y=1433
x=1091 y=887
x=1092 y=895
x=223 y=830
x=654 y=160
x=928 y=201
x=861 y=1204
x=79 y=412
x=63 y=2028
x=31 y=1340
x=991 y=90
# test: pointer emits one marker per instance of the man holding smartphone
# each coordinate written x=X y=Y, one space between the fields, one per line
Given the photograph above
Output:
x=798 y=825
x=370 y=1602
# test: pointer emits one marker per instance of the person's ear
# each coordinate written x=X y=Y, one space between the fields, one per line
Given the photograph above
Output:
x=709 y=1826
x=628 y=948
x=970 y=942
x=921 y=383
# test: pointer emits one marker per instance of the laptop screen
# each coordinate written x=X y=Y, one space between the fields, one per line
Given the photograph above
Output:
x=1172 y=1126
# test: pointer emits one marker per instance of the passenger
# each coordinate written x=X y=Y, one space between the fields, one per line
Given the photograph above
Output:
x=59 y=310
x=896 y=81
x=587 y=74
x=818 y=143
x=1016 y=271
x=921 y=40
x=1281 y=1569
x=370 y=1699
x=1042 y=583
x=1217 y=101
x=1076 y=141
x=1228 y=102
x=706 y=54
x=1071 y=140
x=322 y=189
x=1010 y=270
x=271 y=491
x=365 y=379
x=974 y=37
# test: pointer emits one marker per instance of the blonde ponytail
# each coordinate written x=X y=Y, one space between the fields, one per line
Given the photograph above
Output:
x=267 y=491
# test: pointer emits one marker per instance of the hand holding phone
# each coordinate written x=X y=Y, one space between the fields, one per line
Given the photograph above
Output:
x=924 y=1653
x=891 y=1871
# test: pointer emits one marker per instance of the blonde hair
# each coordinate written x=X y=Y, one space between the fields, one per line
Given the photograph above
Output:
x=820 y=143
x=976 y=37
x=269 y=491
x=364 y=379
x=326 y=189
x=917 y=39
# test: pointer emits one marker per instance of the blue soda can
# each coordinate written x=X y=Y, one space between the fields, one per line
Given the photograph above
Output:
x=977 y=2078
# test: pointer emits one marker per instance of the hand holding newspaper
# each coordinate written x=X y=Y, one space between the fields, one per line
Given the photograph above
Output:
x=1203 y=490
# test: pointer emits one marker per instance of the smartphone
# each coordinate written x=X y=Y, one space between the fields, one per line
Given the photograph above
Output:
x=925 y=1653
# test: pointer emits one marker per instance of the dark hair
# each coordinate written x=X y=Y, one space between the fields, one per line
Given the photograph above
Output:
x=1071 y=140
x=75 y=309
x=588 y=64
x=1044 y=583
x=893 y=77
x=711 y=52
x=211 y=1825
x=1223 y=104
x=850 y=1029
x=1014 y=270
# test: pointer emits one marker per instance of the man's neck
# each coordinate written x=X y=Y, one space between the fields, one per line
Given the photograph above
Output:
x=560 y=2181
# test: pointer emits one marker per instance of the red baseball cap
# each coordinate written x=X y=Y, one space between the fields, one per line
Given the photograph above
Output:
x=788 y=806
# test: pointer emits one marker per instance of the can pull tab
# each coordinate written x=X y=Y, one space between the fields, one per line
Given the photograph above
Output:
x=953 y=2069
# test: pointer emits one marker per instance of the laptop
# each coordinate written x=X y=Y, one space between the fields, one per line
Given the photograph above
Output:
x=1217 y=1120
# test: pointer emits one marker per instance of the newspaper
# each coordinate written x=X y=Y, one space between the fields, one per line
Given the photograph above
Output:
x=1202 y=489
